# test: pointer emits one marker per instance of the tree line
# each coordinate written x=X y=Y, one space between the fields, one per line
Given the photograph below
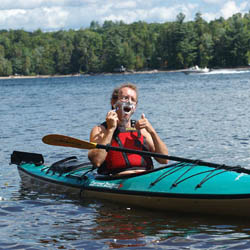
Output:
x=137 y=46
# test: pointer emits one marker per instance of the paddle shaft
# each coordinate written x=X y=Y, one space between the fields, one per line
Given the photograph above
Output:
x=66 y=141
x=157 y=155
x=174 y=158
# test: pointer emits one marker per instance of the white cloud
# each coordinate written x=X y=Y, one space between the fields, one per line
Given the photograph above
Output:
x=225 y=9
x=46 y=18
x=36 y=4
x=231 y=8
x=30 y=4
x=65 y=14
x=126 y=5
x=210 y=16
x=153 y=14
x=213 y=1
x=55 y=17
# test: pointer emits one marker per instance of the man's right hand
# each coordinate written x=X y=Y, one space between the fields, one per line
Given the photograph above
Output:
x=112 y=120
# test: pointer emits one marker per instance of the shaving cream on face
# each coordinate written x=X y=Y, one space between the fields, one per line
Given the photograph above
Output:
x=127 y=110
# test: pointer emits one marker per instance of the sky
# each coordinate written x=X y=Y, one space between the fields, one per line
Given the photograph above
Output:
x=53 y=15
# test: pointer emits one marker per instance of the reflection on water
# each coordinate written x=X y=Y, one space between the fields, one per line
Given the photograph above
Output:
x=142 y=228
x=59 y=222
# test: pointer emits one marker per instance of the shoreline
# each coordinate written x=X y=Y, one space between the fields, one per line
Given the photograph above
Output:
x=36 y=76
x=246 y=68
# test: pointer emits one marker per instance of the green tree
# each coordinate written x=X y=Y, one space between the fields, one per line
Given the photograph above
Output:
x=204 y=41
x=236 y=41
x=63 y=52
x=86 y=53
x=5 y=67
x=178 y=48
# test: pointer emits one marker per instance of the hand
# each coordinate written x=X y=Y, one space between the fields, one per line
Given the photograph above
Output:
x=112 y=119
x=143 y=123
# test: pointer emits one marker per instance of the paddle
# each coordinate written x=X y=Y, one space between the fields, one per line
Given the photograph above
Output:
x=66 y=141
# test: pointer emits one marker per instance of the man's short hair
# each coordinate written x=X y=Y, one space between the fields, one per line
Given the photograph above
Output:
x=115 y=93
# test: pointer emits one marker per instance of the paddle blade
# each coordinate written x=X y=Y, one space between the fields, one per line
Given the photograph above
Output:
x=66 y=141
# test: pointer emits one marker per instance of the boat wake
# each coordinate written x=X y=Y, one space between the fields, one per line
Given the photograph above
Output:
x=226 y=71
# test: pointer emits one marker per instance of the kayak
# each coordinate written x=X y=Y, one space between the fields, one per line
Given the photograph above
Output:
x=179 y=187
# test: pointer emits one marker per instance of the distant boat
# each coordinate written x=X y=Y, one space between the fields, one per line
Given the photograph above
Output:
x=196 y=69
x=122 y=69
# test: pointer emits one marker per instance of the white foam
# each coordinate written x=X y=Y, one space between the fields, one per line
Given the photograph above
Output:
x=227 y=71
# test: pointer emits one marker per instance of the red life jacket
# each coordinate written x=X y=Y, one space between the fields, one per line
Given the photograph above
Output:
x=119 y=161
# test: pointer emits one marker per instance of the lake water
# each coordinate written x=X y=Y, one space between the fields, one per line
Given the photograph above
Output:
x=203 y=116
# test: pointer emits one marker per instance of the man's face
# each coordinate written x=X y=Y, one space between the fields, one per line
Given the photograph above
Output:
x=126 y=104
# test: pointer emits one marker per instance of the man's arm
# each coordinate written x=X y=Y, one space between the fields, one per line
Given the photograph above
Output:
x=153 y=139
x=102 y=135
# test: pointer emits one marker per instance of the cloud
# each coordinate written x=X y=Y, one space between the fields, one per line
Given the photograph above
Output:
x=64 y=14
x=152 y=14
x=45 y=18
x=30 y=4
x=35 y=4
x=210 y=16
x=213 y=1
x=59 y=14
x=126 y=5
x=225 y=9
x=231 y=8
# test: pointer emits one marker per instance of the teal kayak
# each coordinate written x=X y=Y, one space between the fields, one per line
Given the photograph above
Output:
x=178 y=187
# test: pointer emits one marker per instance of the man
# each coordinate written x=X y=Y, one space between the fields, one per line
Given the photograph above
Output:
x=119 y=130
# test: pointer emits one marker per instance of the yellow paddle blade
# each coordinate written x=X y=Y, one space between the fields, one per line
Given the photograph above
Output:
x=66 y=141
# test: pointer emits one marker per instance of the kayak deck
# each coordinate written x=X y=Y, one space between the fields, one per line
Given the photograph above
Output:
x=180 y=187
